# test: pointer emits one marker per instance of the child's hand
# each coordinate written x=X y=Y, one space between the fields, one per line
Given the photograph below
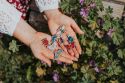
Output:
x=41 y=52
x=55 y=19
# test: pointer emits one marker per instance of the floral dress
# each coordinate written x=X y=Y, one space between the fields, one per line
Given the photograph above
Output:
x=12 y=10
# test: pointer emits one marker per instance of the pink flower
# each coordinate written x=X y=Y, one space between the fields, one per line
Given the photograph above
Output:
x=58 y=62
x=81 y=2
x=97 y=69
x=92 y=5
x=84 y=12
x=55 y=77
x=109 y=33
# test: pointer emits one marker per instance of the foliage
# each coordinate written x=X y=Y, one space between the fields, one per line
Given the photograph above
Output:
x=102 y=60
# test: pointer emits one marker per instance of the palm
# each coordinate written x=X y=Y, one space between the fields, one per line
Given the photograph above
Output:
x=71 y=28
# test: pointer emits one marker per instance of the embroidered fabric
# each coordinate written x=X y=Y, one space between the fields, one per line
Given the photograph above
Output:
x=21 y=5
x=9 y=17
x=47 y=4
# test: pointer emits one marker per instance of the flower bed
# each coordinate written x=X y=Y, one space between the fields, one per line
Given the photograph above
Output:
x=102 y=59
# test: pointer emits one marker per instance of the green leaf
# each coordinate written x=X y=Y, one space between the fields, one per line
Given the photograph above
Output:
x=84 y=69
x=120 y=54
x=88 y=51
x=117 y=38
x=74 y=75
x=29 y=73
x=93 y=25
x=107 y=25
x=13 y=46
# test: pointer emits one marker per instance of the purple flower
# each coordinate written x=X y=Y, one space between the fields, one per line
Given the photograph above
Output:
x=92 y=63
x=58 y=62
x=109 y=33
x=92 y=5
x=97 y=69
x=81 y=2
x=55 y=77
x=84 y=12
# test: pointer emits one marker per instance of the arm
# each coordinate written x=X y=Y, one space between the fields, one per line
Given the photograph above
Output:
x=13 y=25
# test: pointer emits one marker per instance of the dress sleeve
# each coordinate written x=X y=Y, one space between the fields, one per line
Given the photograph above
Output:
x=9 y=17
x=47 y=4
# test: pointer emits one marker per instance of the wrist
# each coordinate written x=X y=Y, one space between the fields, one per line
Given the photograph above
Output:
x=24 y=32
x=52 y=13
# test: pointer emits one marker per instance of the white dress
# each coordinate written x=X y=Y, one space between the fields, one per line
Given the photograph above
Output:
x=10 y=16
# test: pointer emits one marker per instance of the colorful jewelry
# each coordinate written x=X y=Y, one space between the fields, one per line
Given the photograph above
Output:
x=72 y=45
x=61 y=29
x=53 y=46
x=45 y=42
x=54 y=37
x=57 y=53
x=70 y=39
x=68 y=47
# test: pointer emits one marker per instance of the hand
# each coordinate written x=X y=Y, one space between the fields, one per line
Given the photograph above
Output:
x=55 y=19
x=45 y=54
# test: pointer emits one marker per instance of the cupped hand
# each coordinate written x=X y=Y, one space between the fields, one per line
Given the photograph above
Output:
x=55 y=19
x=44 y=54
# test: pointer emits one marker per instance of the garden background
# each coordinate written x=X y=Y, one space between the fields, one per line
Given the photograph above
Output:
x=103 y=45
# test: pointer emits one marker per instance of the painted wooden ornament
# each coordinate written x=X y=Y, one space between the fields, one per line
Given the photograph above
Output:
x=54 y=37
x=68 y=46
x=70 y=39
x=57 y=53
x=53 y=46
x=45 y=42
x=72 y=44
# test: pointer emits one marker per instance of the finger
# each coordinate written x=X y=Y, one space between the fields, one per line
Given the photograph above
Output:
x=65 y=42
x=63 y=47
x=65 y=60
x=66 y=55
x=60 y=43
x=78 y=47
x=44 y=59
x=76 y=53
x=68 y=47
x=49 y=54
x=76 y=28
x=70 y=51
x=64 y=37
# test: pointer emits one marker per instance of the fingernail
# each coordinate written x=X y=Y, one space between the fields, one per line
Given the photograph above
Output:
x=49 y=65
x=77 y=56
x=80 y=52
x=82 y=32
x=75 y=59
x=71 y=62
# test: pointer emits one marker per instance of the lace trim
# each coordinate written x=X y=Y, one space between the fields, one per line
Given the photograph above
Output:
x=47 y=4
x=9 y=17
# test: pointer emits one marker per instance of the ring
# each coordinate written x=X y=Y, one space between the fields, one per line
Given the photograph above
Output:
x=57 y=53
